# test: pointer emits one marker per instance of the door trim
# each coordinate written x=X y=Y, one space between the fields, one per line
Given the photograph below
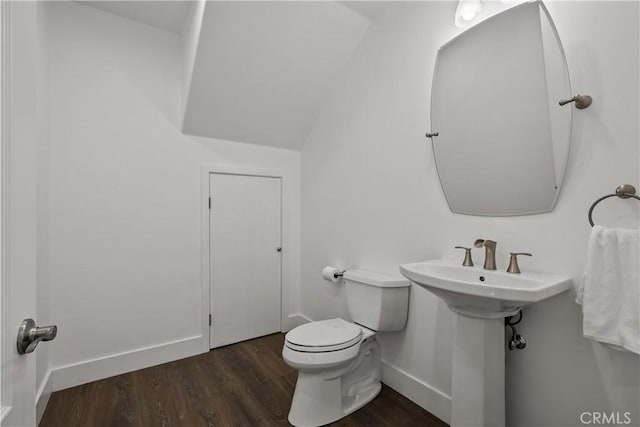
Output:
x=286 y=259
x=5 y=135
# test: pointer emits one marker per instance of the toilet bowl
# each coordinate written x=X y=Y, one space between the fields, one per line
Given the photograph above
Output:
x=338 y=362
x=338 y=365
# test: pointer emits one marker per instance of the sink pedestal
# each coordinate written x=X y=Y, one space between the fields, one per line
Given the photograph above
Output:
x=480 y=300
x=477 y=379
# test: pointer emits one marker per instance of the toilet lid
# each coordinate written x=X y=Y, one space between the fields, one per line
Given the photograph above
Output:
x=324 y=335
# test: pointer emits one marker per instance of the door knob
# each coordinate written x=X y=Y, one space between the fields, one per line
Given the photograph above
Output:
x=29 y=335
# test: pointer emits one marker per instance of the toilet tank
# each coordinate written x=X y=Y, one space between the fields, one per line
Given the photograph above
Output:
x=377 y=301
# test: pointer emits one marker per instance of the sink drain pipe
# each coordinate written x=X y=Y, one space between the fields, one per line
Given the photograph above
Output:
x=517 y=341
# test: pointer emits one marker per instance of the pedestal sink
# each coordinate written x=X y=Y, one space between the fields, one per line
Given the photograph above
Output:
x=485 y=294
x=481 y=300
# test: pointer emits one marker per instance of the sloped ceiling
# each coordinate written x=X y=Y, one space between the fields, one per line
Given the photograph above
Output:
x=256 y=71
x=262 y=70
x=166 y=15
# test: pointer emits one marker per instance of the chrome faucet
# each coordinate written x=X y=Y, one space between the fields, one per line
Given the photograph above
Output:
x=490 y=252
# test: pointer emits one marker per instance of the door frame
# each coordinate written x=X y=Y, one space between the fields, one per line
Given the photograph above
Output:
x=285 y=260
x=5 y=56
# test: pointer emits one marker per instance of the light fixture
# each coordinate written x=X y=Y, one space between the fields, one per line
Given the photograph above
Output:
x=467 y=10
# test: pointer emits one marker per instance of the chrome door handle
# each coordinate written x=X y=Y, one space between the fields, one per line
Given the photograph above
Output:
x=29 y=335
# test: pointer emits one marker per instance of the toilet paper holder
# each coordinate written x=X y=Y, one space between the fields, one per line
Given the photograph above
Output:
x=332 y=274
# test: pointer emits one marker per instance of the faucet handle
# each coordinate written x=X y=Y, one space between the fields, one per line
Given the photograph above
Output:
x=468 y=262
x=513 y=262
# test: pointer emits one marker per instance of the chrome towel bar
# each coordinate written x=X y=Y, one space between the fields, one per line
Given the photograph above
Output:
x=625 y=191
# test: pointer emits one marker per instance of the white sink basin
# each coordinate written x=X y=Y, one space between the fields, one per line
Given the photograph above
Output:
x=486 y=294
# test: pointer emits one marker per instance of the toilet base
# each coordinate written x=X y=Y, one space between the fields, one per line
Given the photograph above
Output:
x=317 y=402
x=324 y=397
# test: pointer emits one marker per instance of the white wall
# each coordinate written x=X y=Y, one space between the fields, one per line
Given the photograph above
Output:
x=371 y=199
x=125 y=196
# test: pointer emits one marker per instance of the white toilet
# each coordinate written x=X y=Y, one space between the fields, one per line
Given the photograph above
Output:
x=339 y=361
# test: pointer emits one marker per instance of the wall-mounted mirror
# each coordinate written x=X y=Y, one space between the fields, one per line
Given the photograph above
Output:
x=503 y=140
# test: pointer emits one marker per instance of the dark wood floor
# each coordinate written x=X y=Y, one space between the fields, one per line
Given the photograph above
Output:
x=245 y=384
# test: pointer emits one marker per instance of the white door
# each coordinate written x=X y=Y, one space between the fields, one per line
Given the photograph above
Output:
x=18 y=232
x=245 y=261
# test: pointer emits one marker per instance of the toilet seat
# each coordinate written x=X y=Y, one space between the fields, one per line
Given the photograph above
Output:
x=324 y=336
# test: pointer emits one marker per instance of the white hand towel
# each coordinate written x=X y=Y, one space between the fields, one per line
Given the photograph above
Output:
x=609 y=292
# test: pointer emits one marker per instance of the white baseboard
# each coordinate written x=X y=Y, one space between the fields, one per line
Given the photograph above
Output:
x=42 y=396
x=416 y=390
x=104 y=367
x=296 y=320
